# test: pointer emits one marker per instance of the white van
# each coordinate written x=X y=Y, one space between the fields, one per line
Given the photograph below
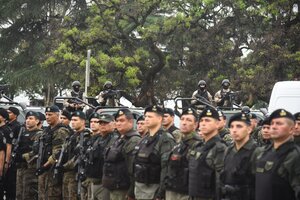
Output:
x=285 y=94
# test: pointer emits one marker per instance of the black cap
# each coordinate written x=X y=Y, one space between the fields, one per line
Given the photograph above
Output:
x=155 y=109
x=67 y=114
x=240 y=117
x=42 y=116
x=14 y=110
x=169 y=111
x=209 y=112
x=266 y=121
x=106 y=118
x=281 y=113
x=32 y=113
x=4 y=113
x=297 y=116
x=94 y=115
x=79 y=114
x=52 y=108
x=124 y=111
x=140 y=118
x=221 y=114
x=189 y=111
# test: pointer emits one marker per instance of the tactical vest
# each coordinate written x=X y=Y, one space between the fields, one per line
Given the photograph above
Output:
x=147 y=166
x=177 y=177
x=203 y=94
x=237 y=174
x=25 y=144
x=115 y=172
x=269 y=185
x=202 y=178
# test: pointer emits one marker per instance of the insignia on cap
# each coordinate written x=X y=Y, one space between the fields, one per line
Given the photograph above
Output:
x=30 y=113
x=208 y=113
x=282 y=113
x=220 y=113
x=154 y=108
x=48 y=109
x=243 y=117
x=102 y=117
x=190 y=111
x=121 y=113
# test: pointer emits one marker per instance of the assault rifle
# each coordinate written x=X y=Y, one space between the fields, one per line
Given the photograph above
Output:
x=58 y=164
x=40 y=155
x=16 y=145
x=80 y=176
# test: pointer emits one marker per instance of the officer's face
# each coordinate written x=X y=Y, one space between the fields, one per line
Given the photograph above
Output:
x=208 y=126
x=141 y=127
x=31 y=122
x=11 y=115
x=123 y=124
x=187 y=124
x=167 y=120
x=281 y=129
x=77 y=123
x=52 y=118
x=1 y=119
x=64 y=120
x=253 y=123
x=106 y=127
x=94 y=125
x=297 y=128
x=239 y=131
x=152 y=120
x=222 y=123
x=265 y=131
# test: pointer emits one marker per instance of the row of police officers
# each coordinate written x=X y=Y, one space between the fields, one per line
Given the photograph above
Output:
x=111 y=160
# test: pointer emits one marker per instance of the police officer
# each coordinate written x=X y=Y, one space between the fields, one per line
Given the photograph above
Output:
x=27 y=183
x=118 y=159
x=50 y=144
x=254 y=126
x=140 y=126
x=297 y=128
x=97 y=145
x=206 y=160
x=70 y=104
x=223 y=130
x=152 y=156
x=201 y=93
x=65 y=118
x=73 y=157
x=264 y=136
x=168 y=124
x=177 y=173
x=238 y=178
x=108 y=96
x=278 y=165
x=3 y=118
x=222 y=97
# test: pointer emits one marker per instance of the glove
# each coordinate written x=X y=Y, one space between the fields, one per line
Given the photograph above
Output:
x=40 y=171
x=26 y=157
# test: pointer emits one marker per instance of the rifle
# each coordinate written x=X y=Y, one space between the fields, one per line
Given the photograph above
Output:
x=58 y=164
x=80 y=168
x=16 y=145
x=40 y=155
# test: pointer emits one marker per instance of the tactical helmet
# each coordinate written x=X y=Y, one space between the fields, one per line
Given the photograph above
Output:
x=225 y=81
x=107 y=84
x=76 y=83
x=202 y=82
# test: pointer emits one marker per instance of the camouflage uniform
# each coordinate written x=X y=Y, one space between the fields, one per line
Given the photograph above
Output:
x=151 y=158
x=175 y=133
x=225 y=135
x=53 y=139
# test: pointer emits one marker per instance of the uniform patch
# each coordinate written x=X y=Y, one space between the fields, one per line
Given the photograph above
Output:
x=269 y=165
x=260 y=170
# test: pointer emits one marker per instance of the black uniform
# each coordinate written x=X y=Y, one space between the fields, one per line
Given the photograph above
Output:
x=2 y=149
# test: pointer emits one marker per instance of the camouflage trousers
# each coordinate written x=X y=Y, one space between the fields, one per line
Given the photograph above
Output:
x=94 y=190
x=27 y=184
x=170 y=195
x=69 y=185
x=48 y=187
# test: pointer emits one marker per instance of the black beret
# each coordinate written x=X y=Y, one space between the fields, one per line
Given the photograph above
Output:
x=240 y=117
x=106 y=118
x=52 y=108
x=123 y=111
x=14 y=110
x=32 y=113
x=42 y=116
x=221 y=114
x=79 y=114
x=210 y=112
x=67 y=114
x=140 y=118
x=155 y=109
x=266 y=121
x=297 y=116
x=94 y=115
x=189 y=111
x=281 y=113
x=169 y=111
x=4 y=113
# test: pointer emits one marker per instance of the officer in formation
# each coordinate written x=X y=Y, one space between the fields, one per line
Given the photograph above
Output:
x=140 y=126
x=108 y=96
x=168 y=123
x=70 y=104
x=264 y=136
x=222 y=97
x=202 y=94
x=96 y=147
x=177 y=174
x=297 y=128
x=223 y=130
x=3 y=146
x=27 y=182
x=237 y=177
x=65 y=118
x=50 y=144
x=118 y=159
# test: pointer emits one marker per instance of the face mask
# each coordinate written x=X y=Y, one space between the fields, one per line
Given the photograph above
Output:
x=76 y=88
